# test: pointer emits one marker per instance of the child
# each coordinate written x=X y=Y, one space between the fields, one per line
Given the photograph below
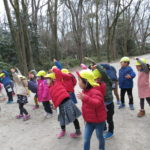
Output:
x=112 y=73
x=5 y=79
x=32 y=85
x=2 y=95
x=101 y=76
x=57 y=64
x=93 y=108
x=69 y=83
x=22 y=92
x=143 y=83
x=126 y=75
x=68 y=111
x=43 y=93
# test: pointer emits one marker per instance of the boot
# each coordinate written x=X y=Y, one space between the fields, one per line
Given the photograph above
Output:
x=141 y=113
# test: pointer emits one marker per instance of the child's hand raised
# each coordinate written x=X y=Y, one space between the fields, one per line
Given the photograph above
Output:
x=80 y=96
x=128 y=76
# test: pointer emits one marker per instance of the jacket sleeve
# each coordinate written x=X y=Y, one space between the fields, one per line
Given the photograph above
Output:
x=144 y=66
x=132 y=73
x=58 y=74
x=94 y=101
x=6 y=73
x=15 y=77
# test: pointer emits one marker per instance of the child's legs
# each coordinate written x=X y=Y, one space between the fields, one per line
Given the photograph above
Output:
x=22 y=109
x=89 y=128
x=99 y=133
x=148 y=100
x=142 y=103
x=110 y=114
x=77 y=126
x=129 y=91
x=47 y=107
x=122 y=93
x=36 y=100
x=116 y=91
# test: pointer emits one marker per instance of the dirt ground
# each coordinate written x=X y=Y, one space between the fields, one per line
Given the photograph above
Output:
x=131 y=133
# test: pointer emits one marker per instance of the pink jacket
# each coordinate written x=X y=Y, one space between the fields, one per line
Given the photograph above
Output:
x=43 y=91
x=143 y=85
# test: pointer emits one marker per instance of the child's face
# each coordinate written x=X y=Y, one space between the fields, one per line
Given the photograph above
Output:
x=124 y=64
x=31 y=76
x=138 y=68
x=49 y=81
x=81 y=84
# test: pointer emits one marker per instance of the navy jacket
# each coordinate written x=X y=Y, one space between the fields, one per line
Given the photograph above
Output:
x=32 y=85
x=111 y=72
x=123 y=82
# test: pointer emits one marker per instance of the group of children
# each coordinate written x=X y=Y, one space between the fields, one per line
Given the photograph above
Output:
x=97 y=84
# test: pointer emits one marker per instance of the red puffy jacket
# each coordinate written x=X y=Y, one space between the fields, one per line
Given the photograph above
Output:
x=93 y=107
x=101 y=87
x=69 y=82
x=57 y=89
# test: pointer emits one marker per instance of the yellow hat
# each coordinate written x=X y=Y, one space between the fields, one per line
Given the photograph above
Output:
x=125 y=59
x=51 y=75
x=89 y=76
x=143 y=60
x=2 y=74
x=65 y=71
x=41 y=73
x=97 y=74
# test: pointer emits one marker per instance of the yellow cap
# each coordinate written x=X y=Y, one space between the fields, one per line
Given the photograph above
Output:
x=65 y=71
x=143 y=60
x=51 y=75
x=97 y=74
x=2 y=74
x=41 y=73
x=125 y=59
x=89 y=76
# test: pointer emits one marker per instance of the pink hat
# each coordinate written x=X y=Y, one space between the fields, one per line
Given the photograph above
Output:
x=83 y=66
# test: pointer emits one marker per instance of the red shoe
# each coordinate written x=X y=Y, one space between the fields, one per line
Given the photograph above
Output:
x=61 y=134
x=35 y=107
x=26 y=117
x=75 y=135
x=19 y=116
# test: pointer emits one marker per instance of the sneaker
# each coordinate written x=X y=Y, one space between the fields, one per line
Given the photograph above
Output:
x=19 y=116
x=48 y=115
x=131 y=107
x=108 y=135
x=26 y=117
x=75 y=135
x=10 y=102
x=121 y=106
x=118 y=103
x=35 y=107
x=141 y=113
x=61 y=134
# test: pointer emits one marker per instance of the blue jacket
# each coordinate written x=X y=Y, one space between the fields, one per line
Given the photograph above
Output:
x=6 y=81
x=58 y=65
x=123 y=82
x=111 y=72
x=32 y=85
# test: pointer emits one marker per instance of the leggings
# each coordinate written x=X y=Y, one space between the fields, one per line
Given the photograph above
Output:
x=142 y=101
x=22 y=109
x=129 y=92
x=76 y=125
x=47 y=107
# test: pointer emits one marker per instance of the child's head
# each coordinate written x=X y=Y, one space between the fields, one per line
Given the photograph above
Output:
x=97 y=74
x=139 y=65
x=50 y=78
x=86 y=79
x=65 y=71
x=125 y=61
x=32 y=74
x=41 y=74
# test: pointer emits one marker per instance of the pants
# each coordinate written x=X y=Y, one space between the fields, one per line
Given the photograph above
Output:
x=9 y=93
x=142 y=101
x=110 y=113
x=76 y=125
x=89 y=128
x=129 y=92
x=47 y=107
x=22 y=109
x=116 y=90
x=36 y=100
